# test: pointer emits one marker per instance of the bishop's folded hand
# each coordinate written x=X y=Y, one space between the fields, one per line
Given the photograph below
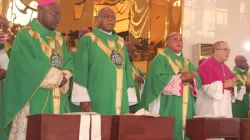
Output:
x=248 y=88
x=139 y=80
x=64 y=81
x=188 y=76
x=85 y=107
x=2 y=74
x=230 y=83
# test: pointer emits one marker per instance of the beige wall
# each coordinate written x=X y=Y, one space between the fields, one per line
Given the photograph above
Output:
x=226 y=20
x=1 y=6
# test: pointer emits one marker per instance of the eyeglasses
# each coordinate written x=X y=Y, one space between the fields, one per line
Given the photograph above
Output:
x=55 y=14
x=226 y=50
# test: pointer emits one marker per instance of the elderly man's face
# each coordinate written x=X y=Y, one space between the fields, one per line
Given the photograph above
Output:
x=175 y=43
x=131 y=52
x=243 y=64
x=4 y=24
x=222 y=52
x=107 y=21
x=51 y=16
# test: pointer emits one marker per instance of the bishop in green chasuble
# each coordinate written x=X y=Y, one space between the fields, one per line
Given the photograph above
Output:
x=5 y=49
x=138 y=76
x=241 y=105
x=38 y=74
x=171 y=86
x=103 y=80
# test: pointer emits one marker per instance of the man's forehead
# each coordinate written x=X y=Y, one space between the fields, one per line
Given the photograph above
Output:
x=223 y=45
x=3 y=19
x=107 y=12
x=177 y=35
x=52 y=7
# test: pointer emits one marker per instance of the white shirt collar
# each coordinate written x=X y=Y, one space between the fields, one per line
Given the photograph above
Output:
x=179 y=54
x=242 y=70
x=110 y=33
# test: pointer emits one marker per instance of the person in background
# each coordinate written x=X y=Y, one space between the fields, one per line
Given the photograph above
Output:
x=137 y=75
x=202 y=60
x=241 y=105
x=218 y=82
x=5 y=46
x=103 y=80
x=171 y=86
x=83 y=31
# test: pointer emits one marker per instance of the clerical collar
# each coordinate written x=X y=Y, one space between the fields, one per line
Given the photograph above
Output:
x=242 y=70
x=110 y=33
x=179 y=54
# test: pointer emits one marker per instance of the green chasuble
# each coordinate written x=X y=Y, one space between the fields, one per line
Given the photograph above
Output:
x=240 y=108
x=136 y=72
x=7 y=49
x=29 y=64
x=106 y=81
x=159 y=75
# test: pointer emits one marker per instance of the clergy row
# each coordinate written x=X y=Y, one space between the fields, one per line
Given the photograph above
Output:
x=100 y=76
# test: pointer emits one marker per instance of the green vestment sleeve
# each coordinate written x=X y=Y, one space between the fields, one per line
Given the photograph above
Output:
x=159 y=74
x=26 y=71
x=81 y=61
x=27 y=68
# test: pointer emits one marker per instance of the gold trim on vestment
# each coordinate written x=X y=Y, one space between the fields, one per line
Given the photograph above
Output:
x=119 y=72
x=20 y=111
x=135 y=71
x=243 y=80
x=46 y=102
x=7 y=46
x=59 y=40
x=119 y=84
x=55 y=91
x=107 y=50
x=176 y=69
x=56 y=100
x=47 y=49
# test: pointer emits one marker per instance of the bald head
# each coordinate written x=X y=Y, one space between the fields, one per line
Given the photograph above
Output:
x=172 y=34
x=217 y=44
x=241 y=62
x=106 y=19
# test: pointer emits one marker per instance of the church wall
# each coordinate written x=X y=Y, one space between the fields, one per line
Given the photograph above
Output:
x=207 y=21
x=1 y=3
